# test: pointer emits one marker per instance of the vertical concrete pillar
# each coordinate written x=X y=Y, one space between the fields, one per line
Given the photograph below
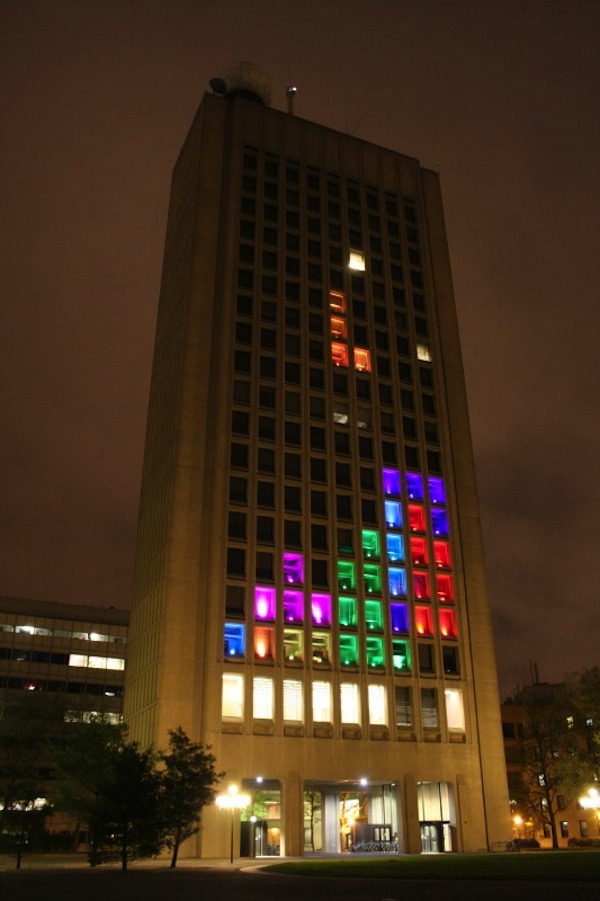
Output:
x=292 y=839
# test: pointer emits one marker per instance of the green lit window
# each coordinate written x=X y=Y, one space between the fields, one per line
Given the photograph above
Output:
x=372 y=577
x=349 y=650
x=370 y=543
x=346 y=576
x=374 y=616
x=400 y=655
x=375 y=653
x=348 y=617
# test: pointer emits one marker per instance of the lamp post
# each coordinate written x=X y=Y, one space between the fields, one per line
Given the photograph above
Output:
x=232 y=801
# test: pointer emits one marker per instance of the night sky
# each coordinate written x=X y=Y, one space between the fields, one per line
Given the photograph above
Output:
x=500 y=96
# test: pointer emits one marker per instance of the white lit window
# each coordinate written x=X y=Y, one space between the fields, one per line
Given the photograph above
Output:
x=106 y=663
x=262 y=698
x=321 y=702
x=357 y=260
x=232 y=706
x=350 y=702
x=423 y=353
x=377 y=705
x=78 y=660
x=455 y=712
x=292 y=701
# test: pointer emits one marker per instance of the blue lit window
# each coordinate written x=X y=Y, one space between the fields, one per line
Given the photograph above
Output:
x=393 y=514
x=437 y=491
x=439 y=522
x=235 y=640
x=395 y=548
x=399 y=617
x=397 y=581
x=391 y=482
x=414 y=486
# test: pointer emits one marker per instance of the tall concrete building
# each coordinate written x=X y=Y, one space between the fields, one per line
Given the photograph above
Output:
x=310 y=595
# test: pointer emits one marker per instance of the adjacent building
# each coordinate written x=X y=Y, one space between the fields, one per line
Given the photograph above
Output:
x=310 y=594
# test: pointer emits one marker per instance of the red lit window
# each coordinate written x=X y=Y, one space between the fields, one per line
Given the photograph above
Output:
x=423 y=621
x=441 y=553
x=421 y=586
x=339 y=354
x=418 y=550
x=264 y=644
x=416 y=518
x=445 y=589
x=337 y=302
x=339 y=328
x=362 y=359
x=448 y=624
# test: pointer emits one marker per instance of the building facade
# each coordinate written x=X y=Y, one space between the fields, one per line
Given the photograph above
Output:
x=310 y=595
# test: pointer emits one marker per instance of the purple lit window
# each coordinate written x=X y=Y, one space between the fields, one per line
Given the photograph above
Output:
x=414 y=486
x=320 y=605
x=293 y=606
x=264 y=602
x=397 y=581
x=437 y=491
x=399 y=617
x=293 y=569
x=391 y=482
x=393 y=514
x=439 y=523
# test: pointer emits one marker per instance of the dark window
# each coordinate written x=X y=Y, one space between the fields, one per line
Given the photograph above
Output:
x=240 y=423
x=342 y=443
x=269 y=284
x=234 y=599
x=367 y=479
x=243 y=305
x=434 y=461
x=385 y=394
x=269 y=259
x=292 y=345
x=428 y=404
x=388 y=452
x=238 y=490
x=266 y=428
x=319 y=573
x=381 y=340
x=344 y=506
x=236 y=561
x=248 y=206
x=292 y=317
x=317 y=438
x=318 y=469
x=340 y=383
x=268 y=338
x=266 y=398
x=264 y=565
x=292 y=266
x=292 y=465
x=292 y=291
x=342 y=475
x=270 y=212
x=426 y=377
x=365 y=448
x=315 y=323
x=315 y=350
x=292 y=373
x=383 y=366
x=345 y=541
x=265 y=529
x=426 y=658
x=292 y=219
x=239 y=456
x=318 y=503
x=266 y=460
x=405 y=372
x=236 y=527
x=406 y=399
x=292 y=499
x=317 y=408
x=363 y=388
x=409 y=427
x=318 y=537
x=243 y=333
x=369 y=511
x=241 y=361
x=450 y=660
x=270 y=235
x=387 y=423
x=411 y=457
x=265 y=494
x=292 y=533
x=360 y=335
x=267 y=367
x=268 y=311
x=293 y=402
x=316 y=378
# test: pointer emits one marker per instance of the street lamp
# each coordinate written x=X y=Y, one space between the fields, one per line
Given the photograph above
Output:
x=232 y=801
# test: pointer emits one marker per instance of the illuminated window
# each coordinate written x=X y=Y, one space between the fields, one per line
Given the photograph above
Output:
x=262 y=698
x=414 y=486
x=78 y=660
x=455 y=711
x=445 y=589
x=356 y=260
x=448 y=624
x=423 y=621
x=372 y=578
x=370 y=543
x=341 y=414
x=348 y=650
x=348 y=616
x=375 y=652
x=418 y=551
x=264 y=644
x=321 y=702
x=391 y=482
x=399 y=617
x=346 y=576
x=337 y=302
x=441 y=554
x=421 y=586
x=423 y=353
x=400 y=655
x=293 y=606
x=293 y=569
x=393 y=514
x=235 y=639
x=113 y=663
x=232 y=700
x=374 y=616
x=439 y=522
x=429 y=708
x=264 y=602
x=293 y=707
x=349 y=703
x=395 y=548
x=403 y=705
x=339 y=328
x=416 y=518
x=377 y=705
x=437 y=491
x=321 y=609
x=321 y=648
x=362 y=359
x=339 y=354
x=293 y=645
x=397 y=581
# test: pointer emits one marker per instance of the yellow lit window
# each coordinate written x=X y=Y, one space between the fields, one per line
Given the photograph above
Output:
x=339 y=328
x=362 y=359
x=357 y=260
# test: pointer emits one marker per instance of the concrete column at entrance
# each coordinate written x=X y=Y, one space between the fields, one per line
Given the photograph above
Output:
x=292 y=839
x=331 y=823
x=411 y=815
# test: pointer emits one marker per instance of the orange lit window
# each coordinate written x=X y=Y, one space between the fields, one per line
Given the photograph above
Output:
x=337 y=302
x=445 y=589
x=448 y=624
x=418 y=550
x=339 y=328
x=441 y=553
x=423 y=621
x=362 y=359
x=416 y=518
x=421 y=586
x=264 y=644
x=339 y=354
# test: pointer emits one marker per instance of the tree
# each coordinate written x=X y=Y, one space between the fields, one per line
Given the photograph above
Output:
x=312 y=813
x=125 y=817
x=188 y=783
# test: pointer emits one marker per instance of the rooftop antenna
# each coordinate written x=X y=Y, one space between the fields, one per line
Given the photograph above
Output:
x=290 y=93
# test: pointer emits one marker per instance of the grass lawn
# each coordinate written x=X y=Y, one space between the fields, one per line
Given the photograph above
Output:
x=583 y=866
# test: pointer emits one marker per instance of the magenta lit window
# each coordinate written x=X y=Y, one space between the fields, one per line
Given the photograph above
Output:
x=264 y=602
x=293 y=606
x=293 y=569
x=320 y=606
